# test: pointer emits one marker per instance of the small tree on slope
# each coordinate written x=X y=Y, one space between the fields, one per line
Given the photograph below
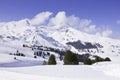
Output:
x=52 y=60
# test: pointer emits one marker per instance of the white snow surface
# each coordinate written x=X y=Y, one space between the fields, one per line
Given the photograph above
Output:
x=104 y=71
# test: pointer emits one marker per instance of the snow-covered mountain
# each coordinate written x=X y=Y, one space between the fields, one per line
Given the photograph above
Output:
x=29 y=40
x=56 y=37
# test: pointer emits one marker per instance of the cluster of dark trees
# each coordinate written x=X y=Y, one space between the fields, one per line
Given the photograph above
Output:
x=97 y=59
x=45 y=48
x=71 y=58
x=68 y=57
x=43 y=51
x=18 y=54
x=41 y=54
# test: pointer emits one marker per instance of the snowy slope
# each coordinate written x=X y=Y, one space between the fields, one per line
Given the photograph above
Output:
x=58 y=72
x=71 y=35
x=23 y=31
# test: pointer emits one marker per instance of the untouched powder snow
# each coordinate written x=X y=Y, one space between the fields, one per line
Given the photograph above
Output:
x=81 y=72
x=18 y=76
x=109 y=68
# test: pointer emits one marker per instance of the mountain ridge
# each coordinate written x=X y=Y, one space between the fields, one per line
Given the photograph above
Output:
x=56 y=36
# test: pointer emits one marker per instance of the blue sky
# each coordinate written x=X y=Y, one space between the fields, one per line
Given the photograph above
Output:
x=104 y=14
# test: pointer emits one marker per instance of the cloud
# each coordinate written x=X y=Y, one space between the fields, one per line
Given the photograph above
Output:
x=105 y=33
x=85 y=25
x=118 y=22
x=90 y=28
x=59 y=19
x=85 y=22
x=73 y=21
x=40 y=18
x=79 y=24
x=62 y=20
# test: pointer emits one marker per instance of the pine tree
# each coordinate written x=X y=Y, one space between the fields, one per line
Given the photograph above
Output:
x=99 y=59
x=107 y=59
x=52 y=60
x=88 y=61
x=74 y=59
x=70 y=58
x=67 y=58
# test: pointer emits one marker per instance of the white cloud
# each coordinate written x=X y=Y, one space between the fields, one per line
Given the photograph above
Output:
x=90 y=28
x=85 y=22
x=105 y=33
x=62 y=20
x=73 y=21
x=118 y=22
x=40 y=18
x=59 y=19
x=80 y=24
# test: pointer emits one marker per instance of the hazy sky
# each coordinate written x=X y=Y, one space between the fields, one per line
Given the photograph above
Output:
x=104 y=14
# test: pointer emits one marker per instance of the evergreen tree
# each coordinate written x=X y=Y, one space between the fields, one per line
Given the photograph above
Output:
x=70 y=58
x=52 y=60
x=74 y=59
x=107 y=59
x=67 y=58
x=99 y=59
x=88 y=61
